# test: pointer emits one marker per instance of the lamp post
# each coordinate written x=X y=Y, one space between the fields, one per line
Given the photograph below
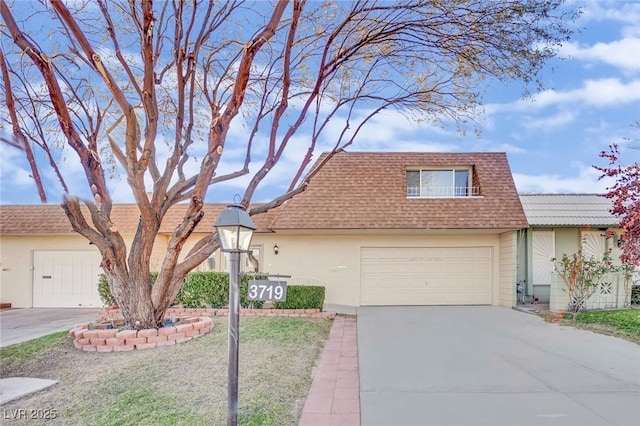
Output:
x=235 y=231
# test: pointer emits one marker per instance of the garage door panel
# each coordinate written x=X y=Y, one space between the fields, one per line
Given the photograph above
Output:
x=438 y=276
x=66 y=279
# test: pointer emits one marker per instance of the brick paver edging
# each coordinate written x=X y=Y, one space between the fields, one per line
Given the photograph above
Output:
x=194 y=322
x=112 y=313
x=113 y=340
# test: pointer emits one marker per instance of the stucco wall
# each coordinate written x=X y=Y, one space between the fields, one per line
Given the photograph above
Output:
x=16 y=259
x=329 y=260
x=334 y=260
x=508 y=269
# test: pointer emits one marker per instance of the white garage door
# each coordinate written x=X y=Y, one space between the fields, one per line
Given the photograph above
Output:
x=66 y=279
x=426 y=276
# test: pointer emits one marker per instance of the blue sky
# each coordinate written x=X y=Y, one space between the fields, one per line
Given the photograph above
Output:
x=552 y=139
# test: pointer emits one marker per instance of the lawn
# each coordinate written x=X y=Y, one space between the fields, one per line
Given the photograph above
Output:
x=185 y=384
x=624 y=323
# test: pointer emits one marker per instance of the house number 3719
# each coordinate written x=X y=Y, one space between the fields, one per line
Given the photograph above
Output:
x=274 y=291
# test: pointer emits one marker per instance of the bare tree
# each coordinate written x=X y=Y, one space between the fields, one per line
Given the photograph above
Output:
x=151 y=90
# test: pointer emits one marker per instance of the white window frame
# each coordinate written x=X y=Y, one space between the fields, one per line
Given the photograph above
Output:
x=451 y=191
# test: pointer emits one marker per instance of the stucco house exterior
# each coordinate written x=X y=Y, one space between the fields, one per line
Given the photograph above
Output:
x=565 y=224
x=373 y=228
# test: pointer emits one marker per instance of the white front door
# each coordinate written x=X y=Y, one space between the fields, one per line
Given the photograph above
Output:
x=66 y=279
x=543 y=252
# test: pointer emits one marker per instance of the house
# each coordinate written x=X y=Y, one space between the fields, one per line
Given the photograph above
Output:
x=373 y=228
x=566 y=224
x=46 y=264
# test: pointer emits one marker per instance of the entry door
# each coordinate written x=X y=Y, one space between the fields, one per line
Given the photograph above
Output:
x=543 y=251
x=66 y=279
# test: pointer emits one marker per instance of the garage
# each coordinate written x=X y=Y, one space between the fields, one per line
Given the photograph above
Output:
x=426 y=276
x=66 y=279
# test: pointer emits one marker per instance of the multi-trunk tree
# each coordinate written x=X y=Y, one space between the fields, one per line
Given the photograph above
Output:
x=150 y=91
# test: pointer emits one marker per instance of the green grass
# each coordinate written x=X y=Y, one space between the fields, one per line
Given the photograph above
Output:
x=184 y=384
x=623 y=323
x=22 y=352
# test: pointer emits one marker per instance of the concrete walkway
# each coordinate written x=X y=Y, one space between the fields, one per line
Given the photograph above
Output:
x=20 y=325
x=334 y=396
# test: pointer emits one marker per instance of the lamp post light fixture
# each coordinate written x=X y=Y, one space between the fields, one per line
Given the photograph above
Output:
x=235 y=231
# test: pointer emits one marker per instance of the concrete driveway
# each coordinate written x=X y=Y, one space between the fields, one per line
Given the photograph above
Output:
x=491 y=366
x=20 y=325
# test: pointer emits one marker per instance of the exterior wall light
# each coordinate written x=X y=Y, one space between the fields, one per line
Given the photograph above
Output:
x=276 y=249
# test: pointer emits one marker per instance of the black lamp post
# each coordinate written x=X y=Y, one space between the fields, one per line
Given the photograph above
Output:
x=235 y=230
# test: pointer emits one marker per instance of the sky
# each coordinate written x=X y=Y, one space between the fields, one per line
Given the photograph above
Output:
x=552 y=139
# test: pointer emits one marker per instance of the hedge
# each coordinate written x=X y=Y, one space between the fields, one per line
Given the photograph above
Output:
x=211 y=290
x=302 y=297
x=199 y=290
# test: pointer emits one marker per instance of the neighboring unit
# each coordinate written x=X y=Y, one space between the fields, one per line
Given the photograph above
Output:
x=566 y=224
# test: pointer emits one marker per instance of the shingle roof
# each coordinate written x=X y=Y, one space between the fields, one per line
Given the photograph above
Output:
x=567 y=210
x=352 y=191
x=359 y=190
x=51 y=219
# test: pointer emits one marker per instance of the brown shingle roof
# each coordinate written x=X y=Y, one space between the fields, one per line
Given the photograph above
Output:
x=352 y=191
x=367 y=191
x=51 y=219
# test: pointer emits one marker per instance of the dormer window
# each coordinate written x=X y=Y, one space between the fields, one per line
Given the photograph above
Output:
x=440 y=183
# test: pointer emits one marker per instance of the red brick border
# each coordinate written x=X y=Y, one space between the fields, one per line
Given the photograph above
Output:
x=102 y=340
x=194 y=322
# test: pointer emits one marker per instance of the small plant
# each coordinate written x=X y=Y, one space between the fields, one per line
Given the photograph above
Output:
x=635 y=295
x=582 y=276
x=302 y=297
x=104 y=291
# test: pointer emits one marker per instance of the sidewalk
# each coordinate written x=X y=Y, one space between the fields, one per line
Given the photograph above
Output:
x=19 y=325
x=334 y=396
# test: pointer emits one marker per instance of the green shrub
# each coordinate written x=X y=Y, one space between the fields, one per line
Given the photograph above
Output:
x=635 y=295
x=204 y=290
x=105 y=292
x=302 y=297
x=211 y=290
x=199 y=290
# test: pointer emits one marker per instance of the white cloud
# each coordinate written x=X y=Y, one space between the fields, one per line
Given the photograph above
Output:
x=549 y=124
x=620 y=53
x=585 y=181
x=625 y=12
x=604 y=92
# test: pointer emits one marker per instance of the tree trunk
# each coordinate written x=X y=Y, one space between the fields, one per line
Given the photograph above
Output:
x=134 y=299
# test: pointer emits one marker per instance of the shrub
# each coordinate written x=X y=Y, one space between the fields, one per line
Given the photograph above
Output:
x=635 y=295
x=582 y=276
x=105 y=292
x=302 y=297
x=204 y=290
x=211 y=290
